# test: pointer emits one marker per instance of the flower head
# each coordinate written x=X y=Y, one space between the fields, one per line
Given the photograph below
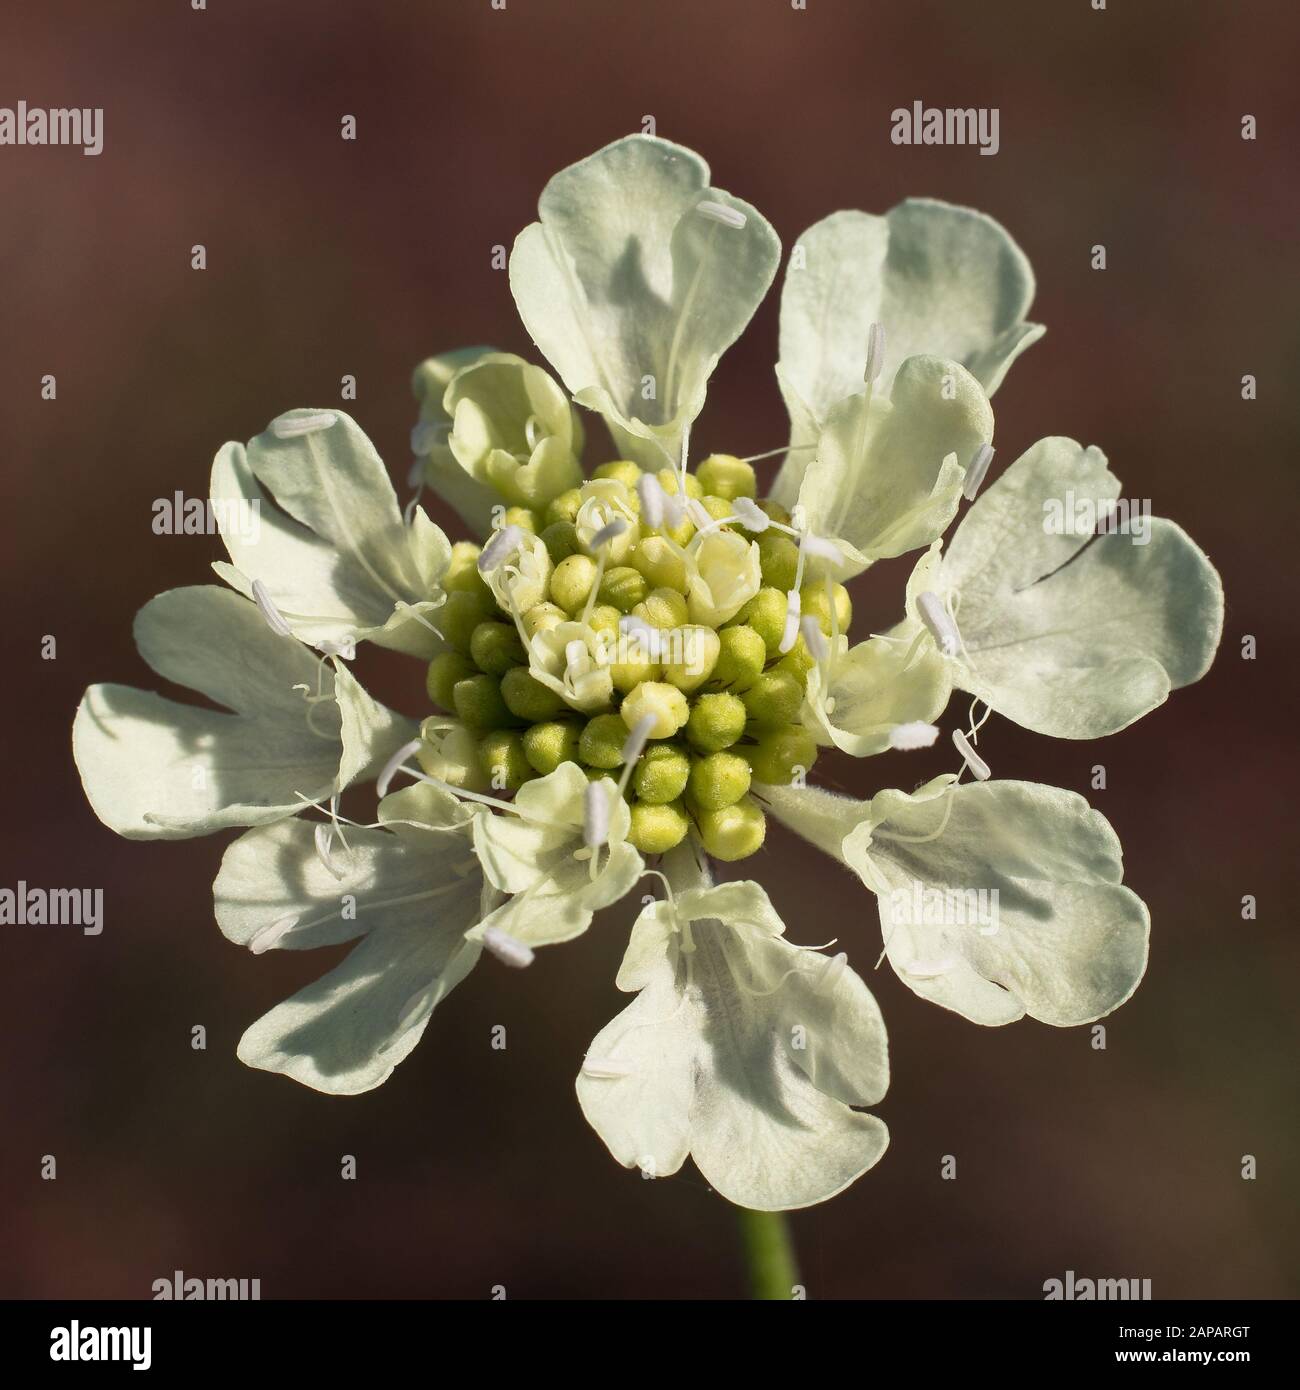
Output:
x=629 y=674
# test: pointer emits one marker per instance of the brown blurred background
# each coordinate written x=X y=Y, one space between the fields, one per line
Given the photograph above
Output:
x=324 y=258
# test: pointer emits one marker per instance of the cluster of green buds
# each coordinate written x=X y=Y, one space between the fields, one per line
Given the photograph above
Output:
x=655 y=629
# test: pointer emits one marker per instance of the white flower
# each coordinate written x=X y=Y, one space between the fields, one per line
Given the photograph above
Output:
x=512 y=429
x=859 y=695
x=520 y=571
x=540 y=855
x=573 y=660
x=722 y=575
x=572 y=761
x=604 y=501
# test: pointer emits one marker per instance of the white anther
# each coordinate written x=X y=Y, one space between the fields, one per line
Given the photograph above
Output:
x=494 y=553
x=604 y=1069
x=610 y=531
x=506 y=949
x=635 y=743
x=652 y=498
x=674 y=509
x=976 y=470
x=939 y=622
x=270 y=936
x=753 y=516
x=914 y=734
x=345 y=648
x=793 y=609
x=575 y=652
x=834 y=968
x=390 y=767
x=875 y=353
x=814 y=638
x=274 y=618
x=291 y=426
x=979 y=768
x=720 y=212
x=595 y=815
x=821 y=549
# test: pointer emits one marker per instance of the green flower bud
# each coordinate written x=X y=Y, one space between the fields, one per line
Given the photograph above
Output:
x=661 y=773
x=766 y=615
x=718 y=780
x=798 y=661
x=523 y=517
x=479 y=704
x=778 y=558
x=776 y=697
x=742 y=654
x=449 y=752
x=627 y=675
x=662 y=566
x=716 y=722
x=663 y=608
x=728 y=477
x=561 y=540
x=665 y=704
x=655 y=829
x=571 y=582
x=496 y=647
x=601 y=744
x=624 y=470
x=462 y=570
x=548 y=745
x=717 y=507
x=604 y=618
x=681 y=533
x=779 y=751
x=464 y=610
x=444 y=671
x=735 y=832
x=623 y=588
x=668 y=480
x=527 y=698
x=813 y=602
x=542 y=617
x=564 y=507
x=698 y=648
x=501 y=756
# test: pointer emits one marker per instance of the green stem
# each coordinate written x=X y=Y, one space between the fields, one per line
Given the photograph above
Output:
x=769 y=1253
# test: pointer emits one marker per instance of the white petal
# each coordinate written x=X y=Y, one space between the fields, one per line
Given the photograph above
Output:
x=750 y=1062
x=1077 y=649
x=623 y=282
x=334 y=555
x=156 y=769
x=346 y=1032
x=1064 y=941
